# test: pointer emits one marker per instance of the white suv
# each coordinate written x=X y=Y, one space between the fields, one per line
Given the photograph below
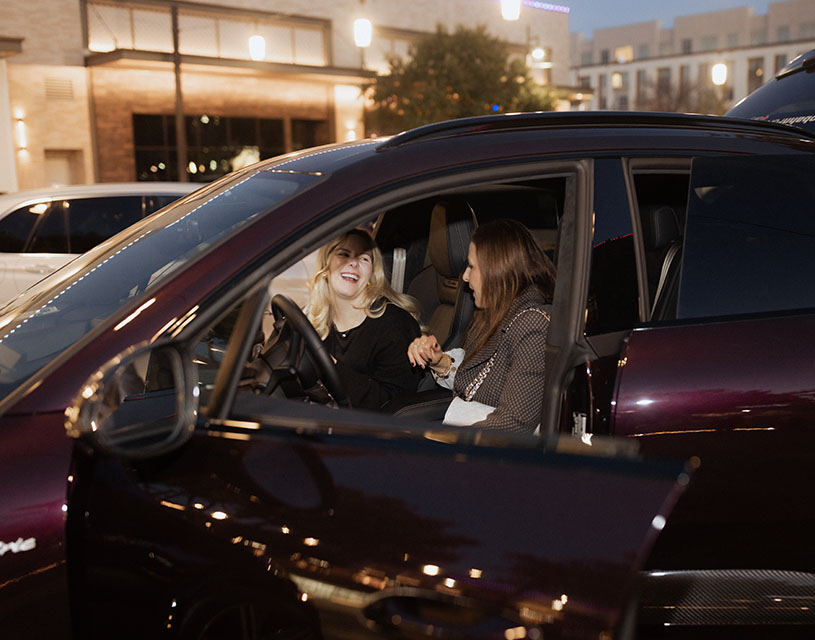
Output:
x=44 y=229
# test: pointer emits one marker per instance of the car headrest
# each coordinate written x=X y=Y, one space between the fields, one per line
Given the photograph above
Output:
x=451 y=225
x=660 y=227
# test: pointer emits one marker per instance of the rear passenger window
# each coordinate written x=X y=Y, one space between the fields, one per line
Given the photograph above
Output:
x=92 y=220
x=613 y=295
x=749 y=237
x=51 y=233
x=17 y=225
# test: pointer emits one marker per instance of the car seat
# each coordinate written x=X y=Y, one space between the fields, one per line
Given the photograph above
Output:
x=663 y=248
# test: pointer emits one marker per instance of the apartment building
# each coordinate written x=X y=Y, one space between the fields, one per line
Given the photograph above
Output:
x=705 y=63
x=111 y=90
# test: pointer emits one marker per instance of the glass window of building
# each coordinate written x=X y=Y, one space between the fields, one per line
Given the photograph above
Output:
x=604 y=56
x=216 y=145
x=732 y=40
x=704 y=74
x=642 y=84
x=755 y=73
x=782 y=34
x=624 y=54
x=807 y=30
x=758 y=37
x=643 y=51
x=780 y=62
x=684 y=78
x=687 y=45
x=664 y=80
x=709 y=43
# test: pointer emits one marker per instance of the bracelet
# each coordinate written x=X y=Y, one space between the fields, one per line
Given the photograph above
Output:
x=449 y=370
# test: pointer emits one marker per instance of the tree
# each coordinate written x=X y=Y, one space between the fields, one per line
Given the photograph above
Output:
x=452 y=75
x=698 y=98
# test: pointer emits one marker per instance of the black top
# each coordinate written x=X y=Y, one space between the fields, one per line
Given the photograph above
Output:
x=372 y=358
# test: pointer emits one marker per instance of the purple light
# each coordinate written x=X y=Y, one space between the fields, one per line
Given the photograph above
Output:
x=546 y=6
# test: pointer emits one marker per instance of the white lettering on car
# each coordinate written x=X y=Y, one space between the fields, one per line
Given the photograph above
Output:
x=18 y=546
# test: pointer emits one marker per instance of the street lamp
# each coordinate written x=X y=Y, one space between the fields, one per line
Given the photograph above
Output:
x=363 y=32
x=510 y=9
x=362 y=37
x=719 y=76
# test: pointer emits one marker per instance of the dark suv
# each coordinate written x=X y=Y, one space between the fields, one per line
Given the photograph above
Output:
x=787 y=98
x=200 y=499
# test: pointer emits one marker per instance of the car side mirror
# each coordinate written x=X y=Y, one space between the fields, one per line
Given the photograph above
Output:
x=143 y=403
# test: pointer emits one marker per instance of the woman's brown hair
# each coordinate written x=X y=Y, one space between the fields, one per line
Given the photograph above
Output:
x=510 y=262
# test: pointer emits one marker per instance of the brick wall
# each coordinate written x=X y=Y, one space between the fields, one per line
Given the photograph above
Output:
x=119 y=93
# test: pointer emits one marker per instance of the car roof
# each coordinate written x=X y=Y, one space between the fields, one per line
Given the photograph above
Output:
x=574 y=119
x=99 y=190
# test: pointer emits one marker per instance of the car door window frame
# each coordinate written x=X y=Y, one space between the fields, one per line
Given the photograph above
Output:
x=643 y=166
x=568 y=305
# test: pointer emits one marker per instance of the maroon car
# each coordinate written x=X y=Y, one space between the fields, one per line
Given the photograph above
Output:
x=206 y=493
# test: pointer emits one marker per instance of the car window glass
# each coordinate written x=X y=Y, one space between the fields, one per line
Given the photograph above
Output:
x=153 y=203
x=92 y=220
x=94 y=289
x=613 y=298
x=51 y=234
x=294 y=282
x=661 y=202
x=17 y=225
x=750 y=237
x=790 y=100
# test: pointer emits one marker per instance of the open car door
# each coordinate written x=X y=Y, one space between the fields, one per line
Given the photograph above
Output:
x=309 y=522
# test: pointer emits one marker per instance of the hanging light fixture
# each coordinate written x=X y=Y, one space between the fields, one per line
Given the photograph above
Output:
x=257 y=47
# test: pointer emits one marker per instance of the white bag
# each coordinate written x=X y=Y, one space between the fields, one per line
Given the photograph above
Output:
x=462 y=413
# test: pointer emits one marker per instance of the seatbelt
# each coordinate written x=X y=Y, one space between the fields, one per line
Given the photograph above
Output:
x=663 y=276
x=398 y=270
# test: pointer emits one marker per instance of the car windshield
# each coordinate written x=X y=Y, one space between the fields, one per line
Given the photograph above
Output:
x=56 y=313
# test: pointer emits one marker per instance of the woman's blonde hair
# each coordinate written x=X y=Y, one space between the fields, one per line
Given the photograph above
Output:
x=377 y=295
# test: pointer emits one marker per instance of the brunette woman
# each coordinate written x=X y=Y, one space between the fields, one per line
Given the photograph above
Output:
x=498 y=376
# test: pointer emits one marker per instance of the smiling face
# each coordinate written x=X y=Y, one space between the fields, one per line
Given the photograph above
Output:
x=349 y=268
x=472 y=275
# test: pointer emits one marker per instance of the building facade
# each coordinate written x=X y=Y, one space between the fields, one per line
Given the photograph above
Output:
x=705 y=63
x=118 y=90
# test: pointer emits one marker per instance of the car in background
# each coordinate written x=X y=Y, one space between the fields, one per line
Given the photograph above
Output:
x=787 y=98
x=207 y=491
x=43 y=229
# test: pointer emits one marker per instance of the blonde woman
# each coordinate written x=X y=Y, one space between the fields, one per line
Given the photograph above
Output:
x=365 y=324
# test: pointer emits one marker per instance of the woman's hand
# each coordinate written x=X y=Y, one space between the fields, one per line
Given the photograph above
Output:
x=425 y=351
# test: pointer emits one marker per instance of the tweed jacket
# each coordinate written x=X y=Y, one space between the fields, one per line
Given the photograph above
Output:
x=513 y=383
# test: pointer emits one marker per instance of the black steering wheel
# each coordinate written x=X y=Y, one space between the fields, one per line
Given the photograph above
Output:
x=285 y=309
